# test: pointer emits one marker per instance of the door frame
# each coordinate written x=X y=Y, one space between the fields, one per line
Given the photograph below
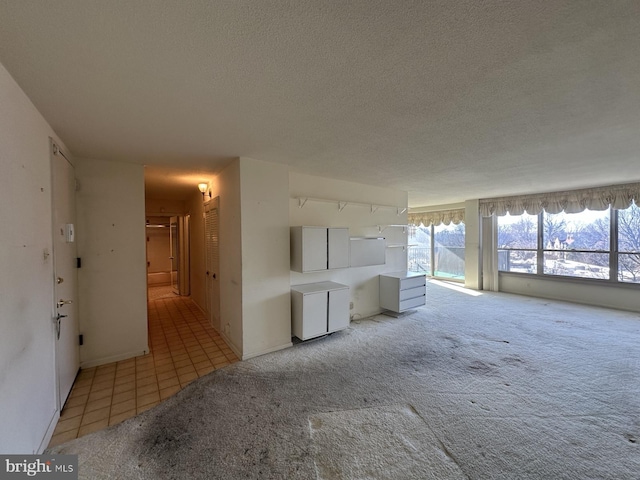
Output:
x=54 y=152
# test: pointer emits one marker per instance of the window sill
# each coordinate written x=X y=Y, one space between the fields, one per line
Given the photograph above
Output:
x=575 y=280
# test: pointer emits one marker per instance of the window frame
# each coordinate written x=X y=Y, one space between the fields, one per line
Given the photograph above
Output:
x=613 y=254
x=432 y=242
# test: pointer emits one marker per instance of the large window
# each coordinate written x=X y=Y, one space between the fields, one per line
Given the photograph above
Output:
x=518 y=243
x=437 y=250
x=601 y=245
x=629 y=244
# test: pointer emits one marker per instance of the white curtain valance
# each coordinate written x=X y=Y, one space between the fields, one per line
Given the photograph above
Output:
x=571 y=201
x=436 y=218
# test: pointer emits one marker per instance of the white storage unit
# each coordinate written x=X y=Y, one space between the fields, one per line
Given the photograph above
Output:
x=338 y=247
x=367 y=251
x=402 y=291
x=319 y=308
x=319 y=248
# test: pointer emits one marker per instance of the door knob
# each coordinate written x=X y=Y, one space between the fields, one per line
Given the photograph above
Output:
x=59 y=280
x=62 y=302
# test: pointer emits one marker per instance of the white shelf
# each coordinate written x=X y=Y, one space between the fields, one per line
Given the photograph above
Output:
x=342 y=204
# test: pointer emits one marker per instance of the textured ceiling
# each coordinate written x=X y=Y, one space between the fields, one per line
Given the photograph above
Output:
x=449 y=100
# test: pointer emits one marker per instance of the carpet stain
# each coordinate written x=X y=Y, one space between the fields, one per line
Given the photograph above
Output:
x=513 y=360
x=483 y=368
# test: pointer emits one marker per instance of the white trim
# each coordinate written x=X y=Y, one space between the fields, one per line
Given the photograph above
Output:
x=230 y=344
x=49 y=433
x=114 y=358
x=269 y=350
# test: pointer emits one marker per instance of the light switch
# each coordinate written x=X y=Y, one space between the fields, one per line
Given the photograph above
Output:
x=69 y=232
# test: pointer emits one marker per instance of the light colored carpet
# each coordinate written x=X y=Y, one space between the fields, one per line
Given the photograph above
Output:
x=379 y=442
x=483 y=387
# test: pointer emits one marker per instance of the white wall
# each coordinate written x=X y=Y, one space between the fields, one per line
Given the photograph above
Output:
x=194 y=207
x=111 y=243
x=158 y=250
x=610 y=296
x=27 y=371
x=266 y=308
x=164 y=207
x=472 y=245
x=363 y=281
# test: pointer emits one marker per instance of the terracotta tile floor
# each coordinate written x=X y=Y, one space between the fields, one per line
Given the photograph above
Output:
x=183 y=347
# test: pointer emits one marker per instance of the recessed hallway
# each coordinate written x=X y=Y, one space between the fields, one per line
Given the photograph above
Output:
x=183 y=347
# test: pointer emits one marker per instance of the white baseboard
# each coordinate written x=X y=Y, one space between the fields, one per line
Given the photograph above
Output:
x=228 y=341
x=49 y=433
x=269 y=350
x=114 y=358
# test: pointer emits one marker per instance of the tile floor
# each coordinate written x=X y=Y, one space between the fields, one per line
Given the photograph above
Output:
x=183 y=347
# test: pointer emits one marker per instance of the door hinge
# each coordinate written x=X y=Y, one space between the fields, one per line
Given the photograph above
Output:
x=78 y=262
x=80 y=339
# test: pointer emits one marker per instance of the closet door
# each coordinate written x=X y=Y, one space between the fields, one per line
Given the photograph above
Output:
x=175 y=254
x=212 y=261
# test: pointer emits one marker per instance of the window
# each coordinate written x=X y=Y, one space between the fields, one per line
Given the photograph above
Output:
x=420 y=249
x=577 y=244
x=589 y=244
x=438 y=250
x=518 y=243
x=629 y=244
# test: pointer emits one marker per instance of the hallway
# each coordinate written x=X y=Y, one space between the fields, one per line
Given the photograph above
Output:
x=183 y=347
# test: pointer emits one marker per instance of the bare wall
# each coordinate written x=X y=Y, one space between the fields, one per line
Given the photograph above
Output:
x=266 y=310
x=111 y=243
x=27 y=369
x=195 y=208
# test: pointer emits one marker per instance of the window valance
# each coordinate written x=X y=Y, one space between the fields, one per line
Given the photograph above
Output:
x=571 y=201
x=436 y=218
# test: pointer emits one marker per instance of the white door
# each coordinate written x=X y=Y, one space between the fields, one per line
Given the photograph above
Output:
x=175 y=254
x=212 y=262
x=338 y=309
x=314 y=249
x=184 y=244
x=66 y=279
x=338 y=239
x=314 y=314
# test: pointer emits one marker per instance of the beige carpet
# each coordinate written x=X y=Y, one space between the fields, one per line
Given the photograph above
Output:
x=482 y=387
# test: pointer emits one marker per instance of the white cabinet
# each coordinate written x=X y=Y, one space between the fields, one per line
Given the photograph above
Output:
x=402 y=291
x=319 y=308
x=338 y=247
x=319 y=248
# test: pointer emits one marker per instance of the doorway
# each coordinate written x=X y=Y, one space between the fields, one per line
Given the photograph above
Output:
x=66 y=329
x=168 y=256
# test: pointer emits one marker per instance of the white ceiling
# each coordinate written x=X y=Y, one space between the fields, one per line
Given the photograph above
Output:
x=448 y=100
